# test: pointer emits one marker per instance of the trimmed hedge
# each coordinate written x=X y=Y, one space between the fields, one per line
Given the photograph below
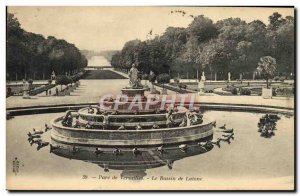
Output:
x=169 y=87
x=41 y=89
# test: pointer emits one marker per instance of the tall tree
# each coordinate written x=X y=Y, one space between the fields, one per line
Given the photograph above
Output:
x=30 y=55
x=267 y=67
x=227 y=45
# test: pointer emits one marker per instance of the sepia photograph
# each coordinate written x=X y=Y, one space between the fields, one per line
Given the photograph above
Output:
x=150 y=98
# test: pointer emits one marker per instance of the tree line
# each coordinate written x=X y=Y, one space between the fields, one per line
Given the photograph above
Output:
x=229 y=45
x=30 y=55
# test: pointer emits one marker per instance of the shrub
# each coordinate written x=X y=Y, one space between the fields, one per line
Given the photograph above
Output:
x=274 y=92
x=163 y=79
x=176 y=80
x=70 y=80
x=184 y=86
x=266 y=68
x=145 y=76
x=75 y=78
x=245 y=91
x=291 y=77
x=63 y=80
x=276 y=78
x=234 y=91
x=152 y=78
x=30 y=81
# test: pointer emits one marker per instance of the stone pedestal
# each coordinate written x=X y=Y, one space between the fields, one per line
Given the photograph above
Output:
x=131 y=92
x=153 y=90
x=201 y=89
x=146 y=87
x=26 y=88
x=26 y=94
x=267 y=93
x=164 y=92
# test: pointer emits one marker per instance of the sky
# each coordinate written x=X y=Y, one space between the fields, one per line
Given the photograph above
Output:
x=109 y=28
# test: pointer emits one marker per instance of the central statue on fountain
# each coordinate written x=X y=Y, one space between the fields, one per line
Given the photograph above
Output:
x=134 y=80
x=134 y=87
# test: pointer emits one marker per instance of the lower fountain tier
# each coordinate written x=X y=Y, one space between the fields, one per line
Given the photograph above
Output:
x=133 y=138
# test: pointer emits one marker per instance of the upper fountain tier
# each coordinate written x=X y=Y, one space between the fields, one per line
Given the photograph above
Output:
x=131 y=92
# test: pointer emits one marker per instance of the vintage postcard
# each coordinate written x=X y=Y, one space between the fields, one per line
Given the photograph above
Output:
x=150 y=98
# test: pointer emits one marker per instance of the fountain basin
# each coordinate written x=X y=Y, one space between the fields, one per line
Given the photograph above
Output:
x=147 y=158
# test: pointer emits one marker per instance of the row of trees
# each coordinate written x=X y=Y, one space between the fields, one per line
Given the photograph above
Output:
x=229 y=45
x=30 y=55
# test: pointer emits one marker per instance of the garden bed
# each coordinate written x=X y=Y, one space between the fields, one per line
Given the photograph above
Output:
x=174 y=88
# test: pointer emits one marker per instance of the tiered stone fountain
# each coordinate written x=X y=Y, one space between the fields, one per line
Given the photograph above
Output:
x=124 y=127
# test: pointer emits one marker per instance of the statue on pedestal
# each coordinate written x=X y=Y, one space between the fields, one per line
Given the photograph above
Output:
x=134 y=81
x=203 y=76
x=253 y=76
x=201 y=84
x=229 y=76
x=26 y=89
x=53 y=75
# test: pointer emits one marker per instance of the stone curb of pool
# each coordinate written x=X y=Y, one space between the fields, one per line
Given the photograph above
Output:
x=41 y=109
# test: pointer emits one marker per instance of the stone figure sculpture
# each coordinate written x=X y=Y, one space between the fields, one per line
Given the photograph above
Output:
x=201 y=86
x=133 y=77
